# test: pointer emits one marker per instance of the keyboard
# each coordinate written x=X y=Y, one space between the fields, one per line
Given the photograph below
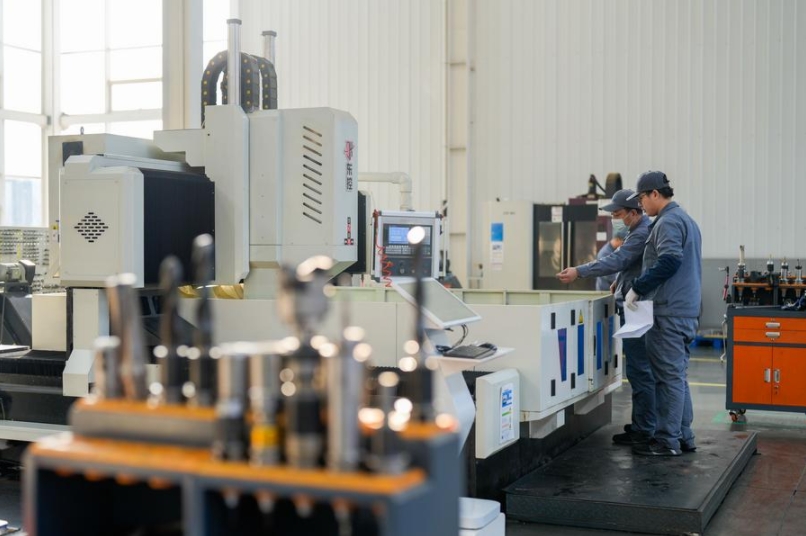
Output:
x=470 y=351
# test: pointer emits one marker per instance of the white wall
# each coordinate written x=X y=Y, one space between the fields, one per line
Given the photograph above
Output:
x=705 y=90
x=380 y=60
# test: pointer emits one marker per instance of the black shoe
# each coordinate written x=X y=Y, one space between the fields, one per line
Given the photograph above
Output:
x=630 y=438
x=655 y=448
x=688 y=446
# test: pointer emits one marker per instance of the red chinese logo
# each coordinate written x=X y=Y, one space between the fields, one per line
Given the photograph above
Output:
x=348 y=150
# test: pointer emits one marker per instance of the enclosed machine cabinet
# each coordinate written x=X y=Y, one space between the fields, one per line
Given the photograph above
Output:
x=766 y=360
x=527 y=244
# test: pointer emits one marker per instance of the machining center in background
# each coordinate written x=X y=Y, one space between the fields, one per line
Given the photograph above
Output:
x=527 y=244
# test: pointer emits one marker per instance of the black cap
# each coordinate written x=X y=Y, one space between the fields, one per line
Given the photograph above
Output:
x=622 y=199
x=650 y=180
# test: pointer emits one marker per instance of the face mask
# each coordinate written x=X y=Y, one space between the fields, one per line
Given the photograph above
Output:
x=618 y=226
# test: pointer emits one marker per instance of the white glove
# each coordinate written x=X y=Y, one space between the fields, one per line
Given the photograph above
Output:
x=630 y=299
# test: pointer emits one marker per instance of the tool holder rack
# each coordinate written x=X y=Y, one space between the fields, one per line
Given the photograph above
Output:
x=130 y=466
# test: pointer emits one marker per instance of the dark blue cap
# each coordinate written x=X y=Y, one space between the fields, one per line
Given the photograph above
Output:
x=622 y=199
x=650 y=180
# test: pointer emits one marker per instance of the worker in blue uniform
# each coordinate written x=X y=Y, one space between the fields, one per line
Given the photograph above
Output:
x=604 y=282
x=626 y=262
x=671 y=278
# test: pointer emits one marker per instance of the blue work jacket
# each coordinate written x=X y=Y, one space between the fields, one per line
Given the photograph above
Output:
x=675 y=292
x=626 y=261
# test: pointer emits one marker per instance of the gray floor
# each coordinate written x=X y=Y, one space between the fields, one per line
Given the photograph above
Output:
x=768 y=499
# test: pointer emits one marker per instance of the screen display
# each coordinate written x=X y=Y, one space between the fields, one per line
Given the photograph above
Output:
x=440 y=305
x=398 y=234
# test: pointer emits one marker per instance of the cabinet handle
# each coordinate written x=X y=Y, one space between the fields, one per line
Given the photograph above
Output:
x=766 y=375
x=773 y=325
x=773 y=334
x=777 y=375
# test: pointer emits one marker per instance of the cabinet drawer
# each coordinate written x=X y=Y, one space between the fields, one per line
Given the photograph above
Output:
x=769 y=336
x=769 y=323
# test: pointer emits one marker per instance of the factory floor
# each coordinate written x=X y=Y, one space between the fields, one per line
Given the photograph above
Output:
x=768 y=499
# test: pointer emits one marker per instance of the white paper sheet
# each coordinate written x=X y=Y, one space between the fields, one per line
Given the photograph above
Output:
x=636 y=322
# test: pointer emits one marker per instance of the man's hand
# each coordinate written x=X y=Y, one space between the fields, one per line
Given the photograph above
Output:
x=613 y=287
x=630 y=299
x=569 y=275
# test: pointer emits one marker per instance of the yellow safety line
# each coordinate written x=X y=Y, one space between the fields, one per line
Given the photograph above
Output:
x=695 y=384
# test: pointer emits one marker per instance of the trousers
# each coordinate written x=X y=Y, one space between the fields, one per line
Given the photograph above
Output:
x=667 y=344
x=642 y=383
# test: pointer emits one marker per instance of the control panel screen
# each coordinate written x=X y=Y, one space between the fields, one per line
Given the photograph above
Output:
x=397 y=247
x=394 y=256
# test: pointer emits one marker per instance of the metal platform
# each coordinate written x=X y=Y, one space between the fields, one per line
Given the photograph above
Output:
x=600 y=485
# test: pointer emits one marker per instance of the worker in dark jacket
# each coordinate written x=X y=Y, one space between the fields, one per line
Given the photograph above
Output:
x=604 y=282
x=671 y=278
x=626 y=262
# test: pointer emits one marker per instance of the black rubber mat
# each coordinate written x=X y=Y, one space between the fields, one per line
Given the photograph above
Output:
x=597 y=484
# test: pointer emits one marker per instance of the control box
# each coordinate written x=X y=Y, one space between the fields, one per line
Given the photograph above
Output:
x=497 y=411
x=394 y=255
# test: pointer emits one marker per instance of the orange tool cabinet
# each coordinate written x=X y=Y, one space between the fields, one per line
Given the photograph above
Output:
x=766 y=360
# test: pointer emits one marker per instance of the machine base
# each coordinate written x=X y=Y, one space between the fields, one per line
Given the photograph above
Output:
x=487 y=478
x=600 y=485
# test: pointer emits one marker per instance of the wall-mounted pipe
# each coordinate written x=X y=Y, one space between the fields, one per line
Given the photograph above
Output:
x=401 y=179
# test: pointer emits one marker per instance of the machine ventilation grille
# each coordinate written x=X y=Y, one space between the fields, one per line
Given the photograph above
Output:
x=312 y=180
x=91 y=227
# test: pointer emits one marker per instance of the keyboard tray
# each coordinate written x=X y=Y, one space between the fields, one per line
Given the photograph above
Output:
x=469 y=351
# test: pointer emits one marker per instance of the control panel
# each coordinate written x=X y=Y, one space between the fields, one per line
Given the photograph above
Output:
x=394 y=255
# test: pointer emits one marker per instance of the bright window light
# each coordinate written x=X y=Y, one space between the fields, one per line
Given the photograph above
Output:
x=136 y=96
x=23 y=149
x=135 y=24
x=214 y=36
x=22 y=24
x=135 y=63
x=216 y=13
x=22 y=80
x=23 y=202
x=82 y=25
x=83 y=83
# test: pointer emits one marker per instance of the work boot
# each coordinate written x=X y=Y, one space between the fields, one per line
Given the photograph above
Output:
x=630 y=438
x=688 y=446
x=655 y=448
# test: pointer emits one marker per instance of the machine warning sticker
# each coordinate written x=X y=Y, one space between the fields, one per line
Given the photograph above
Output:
x=507 y=423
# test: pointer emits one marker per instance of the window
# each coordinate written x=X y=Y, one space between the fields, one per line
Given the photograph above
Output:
x=108 y=55
x=214 y=34
x=21 y=118
x=110 y=76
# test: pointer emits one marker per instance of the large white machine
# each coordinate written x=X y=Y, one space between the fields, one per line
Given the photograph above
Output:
x=274 y=187
x=285 y=189
x=285 y=185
